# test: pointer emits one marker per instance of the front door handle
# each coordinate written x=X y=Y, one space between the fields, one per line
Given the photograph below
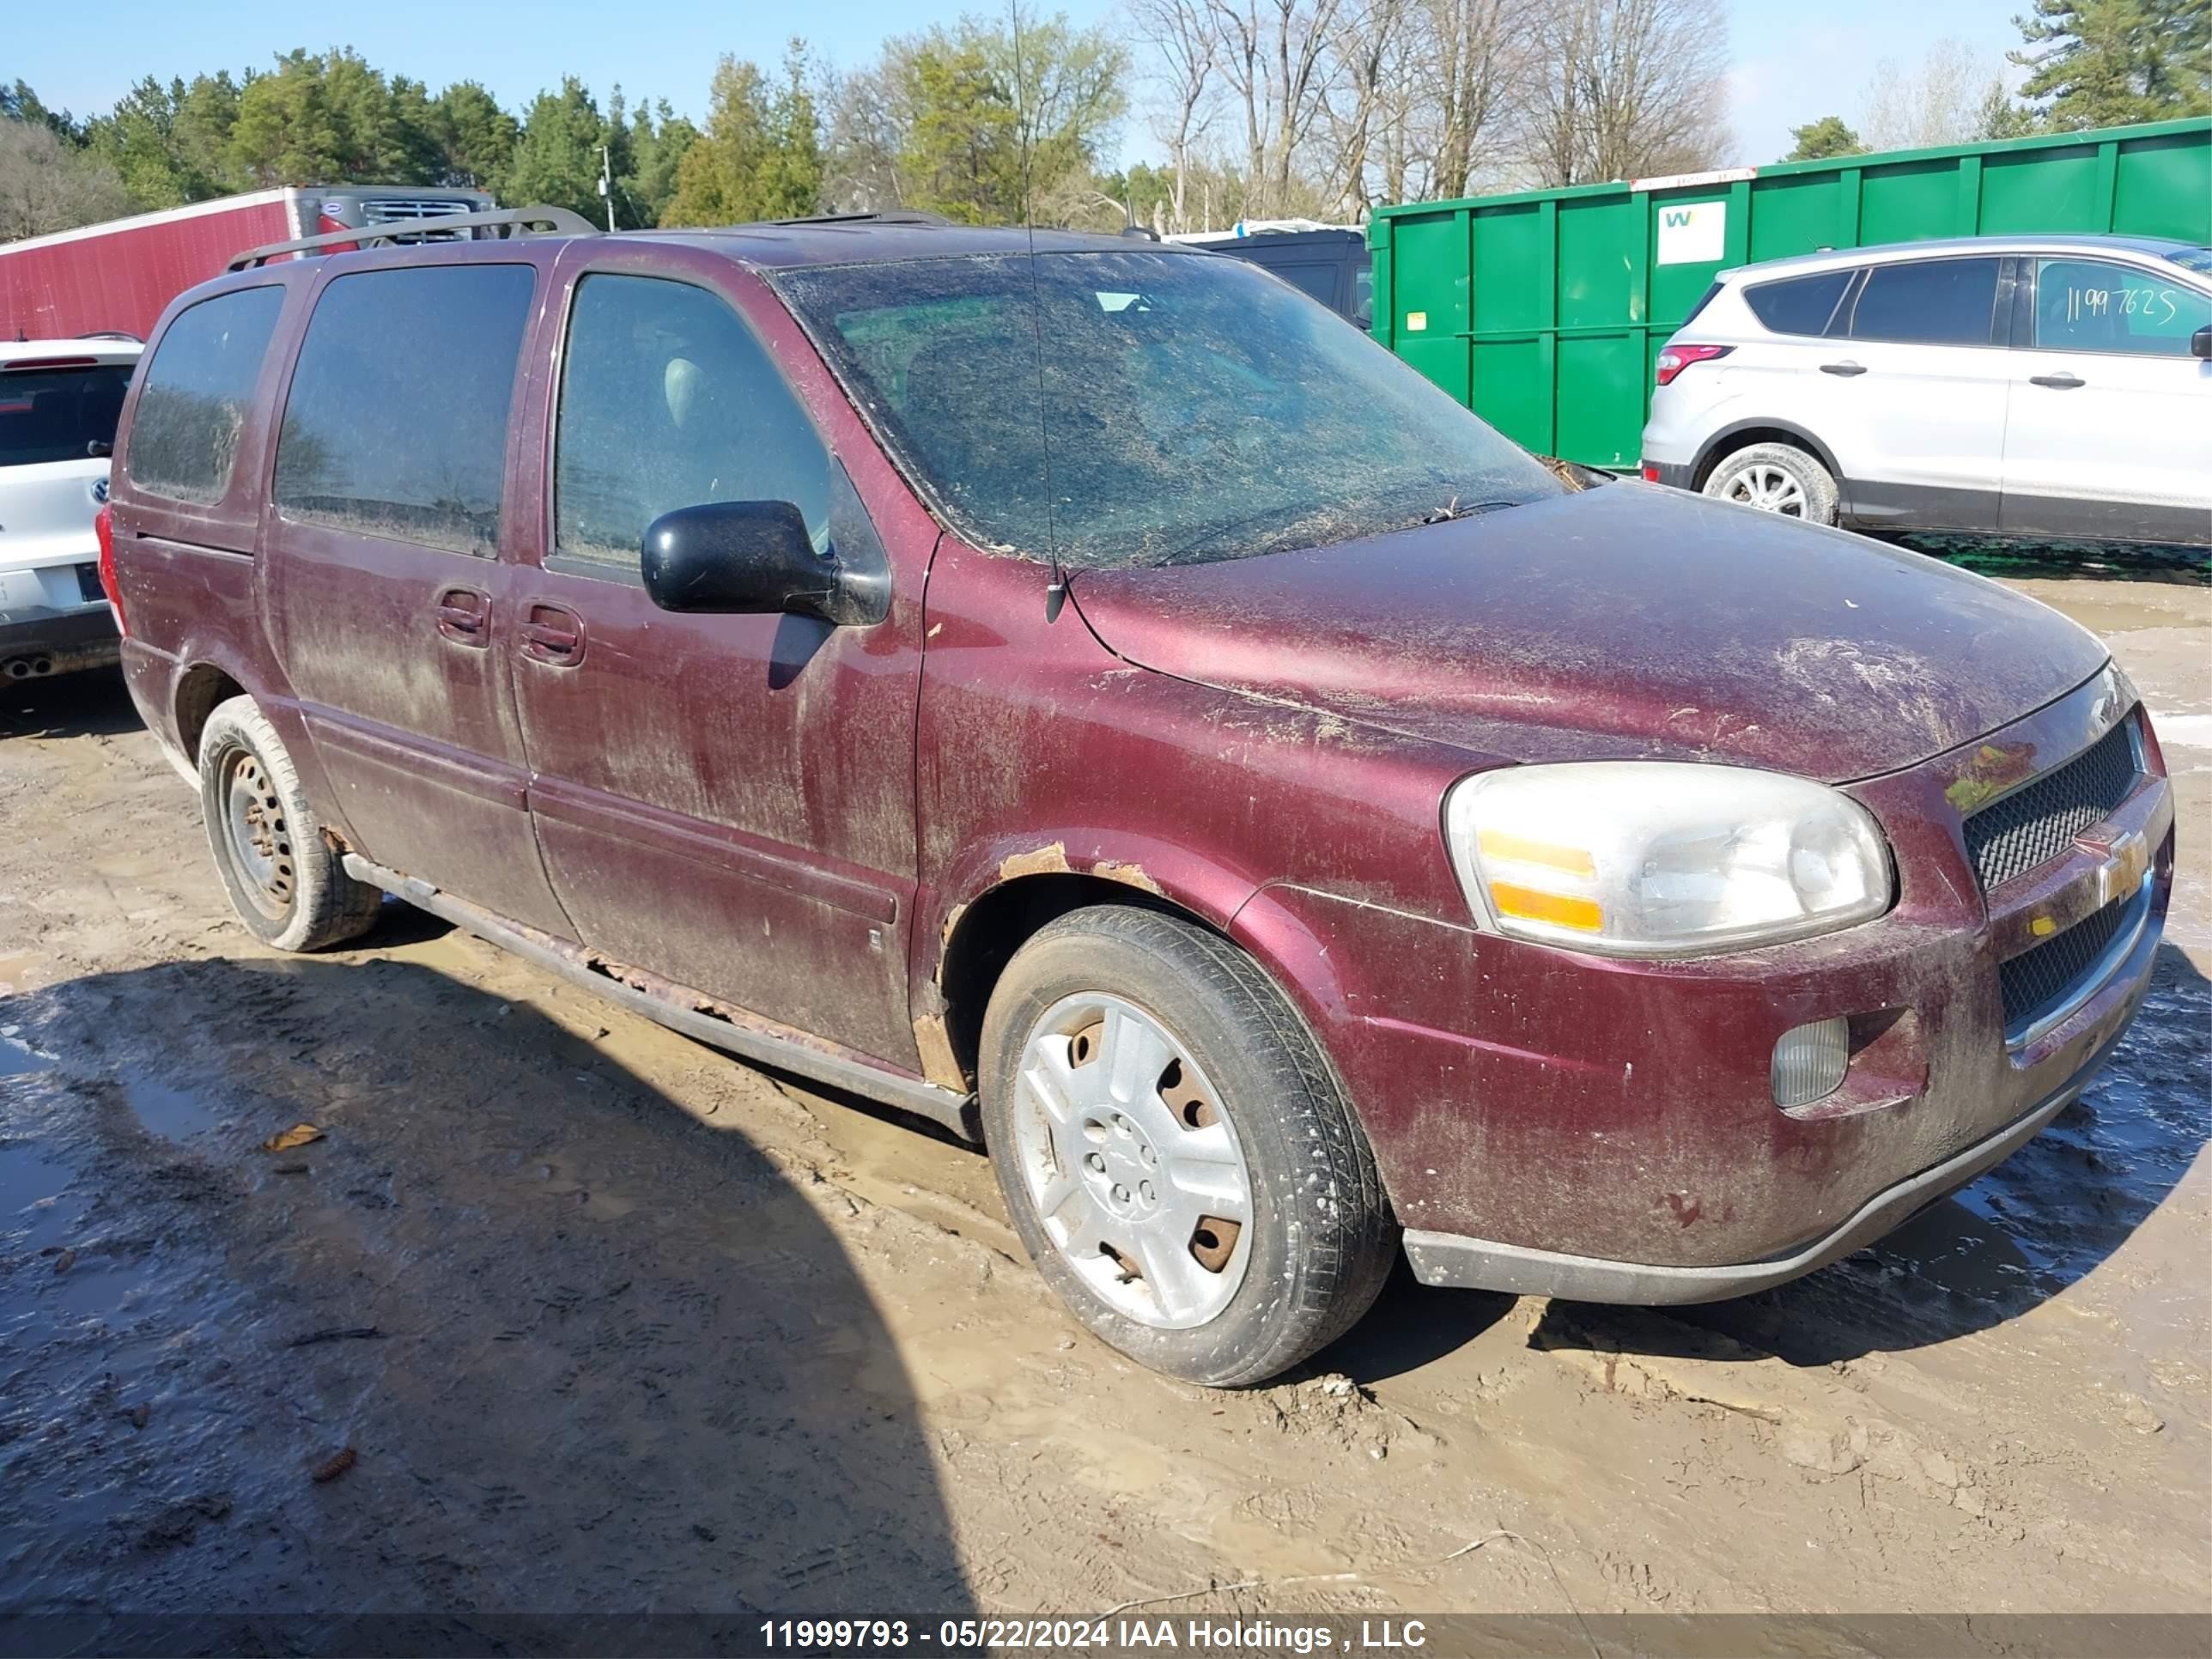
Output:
x=553 y=635
x=465 y=616
x=1846 y=368
x=2060 y=382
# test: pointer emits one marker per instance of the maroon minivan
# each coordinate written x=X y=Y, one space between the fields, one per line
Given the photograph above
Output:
x=1090 y=695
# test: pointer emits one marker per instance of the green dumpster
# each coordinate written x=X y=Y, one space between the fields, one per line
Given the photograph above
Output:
x=1543 y=310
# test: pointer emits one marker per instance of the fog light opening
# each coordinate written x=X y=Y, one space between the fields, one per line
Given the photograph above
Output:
x=1809 y=1061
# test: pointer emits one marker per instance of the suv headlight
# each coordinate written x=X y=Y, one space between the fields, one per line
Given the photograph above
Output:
x=1657 y=859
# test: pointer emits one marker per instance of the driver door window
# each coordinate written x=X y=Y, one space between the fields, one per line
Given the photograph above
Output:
x=668 y=400
x=2089 y=305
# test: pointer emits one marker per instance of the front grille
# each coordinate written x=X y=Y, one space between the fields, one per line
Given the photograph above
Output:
x=2042 y=977
x=405 y=209
x=397 y=209
x=2035 y=824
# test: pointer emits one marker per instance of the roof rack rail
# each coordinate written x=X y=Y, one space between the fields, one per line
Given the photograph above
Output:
x=887 y=216
x=516 y=222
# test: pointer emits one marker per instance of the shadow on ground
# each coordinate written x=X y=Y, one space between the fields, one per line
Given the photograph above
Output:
x=517 y=1335
x=2038 y=1223
x=92 y=704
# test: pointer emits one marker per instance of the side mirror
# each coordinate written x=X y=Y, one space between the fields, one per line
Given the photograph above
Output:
x=2199 y=344
x=100 y=449
x=750 y=558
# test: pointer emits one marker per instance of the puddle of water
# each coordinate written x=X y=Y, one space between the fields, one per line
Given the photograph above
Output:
x=26 y=1179
x=101 y=1288
x=17 y=1060
x=2071 y=1196
x=173 y=1113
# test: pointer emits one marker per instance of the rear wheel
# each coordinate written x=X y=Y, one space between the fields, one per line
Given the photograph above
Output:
x=1174 y=1151
x=285 y=881
x=1778 y=478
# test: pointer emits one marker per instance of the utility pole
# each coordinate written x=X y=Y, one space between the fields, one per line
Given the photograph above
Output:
x=607 y=183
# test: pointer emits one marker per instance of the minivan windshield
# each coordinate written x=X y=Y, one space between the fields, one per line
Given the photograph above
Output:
x=1147 y=408
x=52 y=414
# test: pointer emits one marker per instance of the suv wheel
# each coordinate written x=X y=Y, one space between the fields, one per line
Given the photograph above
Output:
x=1775 y=478
x=285 y=879
x=1174 y=1151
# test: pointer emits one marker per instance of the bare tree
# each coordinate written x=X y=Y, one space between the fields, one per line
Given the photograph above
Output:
x=1275 y=56
x=1624 y=88
x=861 y=137
x=1943 y=101
x=1186 y=48
x=1368 y=97
x=45 y=186
x=1474 y=61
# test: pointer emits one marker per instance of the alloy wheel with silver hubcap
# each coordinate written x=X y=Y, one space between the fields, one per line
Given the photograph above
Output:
x=1194 y=1185
x=1762 y=484
x=1134 y=1167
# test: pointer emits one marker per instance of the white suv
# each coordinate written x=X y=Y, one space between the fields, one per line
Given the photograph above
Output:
x=2033 y=386
x=59 y=401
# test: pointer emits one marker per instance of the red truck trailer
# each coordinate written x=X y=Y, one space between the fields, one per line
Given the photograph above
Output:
x=116 y=276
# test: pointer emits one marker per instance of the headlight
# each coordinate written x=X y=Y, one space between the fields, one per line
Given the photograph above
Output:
x=1653 y=858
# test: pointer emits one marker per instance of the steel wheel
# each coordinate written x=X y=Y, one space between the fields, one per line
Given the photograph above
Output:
x=260 y=842
x=1134 y=1167
x=1764 y=485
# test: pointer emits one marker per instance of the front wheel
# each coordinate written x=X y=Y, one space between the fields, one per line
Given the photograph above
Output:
x=1776 y=478
x=1174 y=1153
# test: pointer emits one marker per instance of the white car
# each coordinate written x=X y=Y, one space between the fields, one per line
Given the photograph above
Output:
x=2033 y=386
x=59 y=401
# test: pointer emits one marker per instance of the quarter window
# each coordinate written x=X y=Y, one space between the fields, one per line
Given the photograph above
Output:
x=397 y=422
x=668 y=400
x=2089 y=305
x=1800 y=305
x=184 y=435
x=1319 y=280
x=1928 y=302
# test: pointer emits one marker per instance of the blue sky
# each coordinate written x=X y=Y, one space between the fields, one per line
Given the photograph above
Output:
x=1788 y=62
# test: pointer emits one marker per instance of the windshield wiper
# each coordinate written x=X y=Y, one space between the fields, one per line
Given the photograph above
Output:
x=1452 y=509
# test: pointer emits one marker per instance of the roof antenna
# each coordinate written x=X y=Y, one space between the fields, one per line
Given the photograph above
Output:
x=1055 y=596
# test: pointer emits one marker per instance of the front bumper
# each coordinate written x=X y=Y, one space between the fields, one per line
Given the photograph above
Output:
x=1449 y=1260
x=1548 y=1120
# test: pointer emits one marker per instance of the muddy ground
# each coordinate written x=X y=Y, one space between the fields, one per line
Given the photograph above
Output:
x=605 y=1321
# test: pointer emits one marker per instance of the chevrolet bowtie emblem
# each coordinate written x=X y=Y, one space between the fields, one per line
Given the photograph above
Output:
x=2127 y=857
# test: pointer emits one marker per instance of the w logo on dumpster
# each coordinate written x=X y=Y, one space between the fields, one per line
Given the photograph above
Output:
x=1692 y=232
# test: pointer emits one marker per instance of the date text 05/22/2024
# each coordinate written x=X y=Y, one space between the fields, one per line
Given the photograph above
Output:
x=1190 y=1635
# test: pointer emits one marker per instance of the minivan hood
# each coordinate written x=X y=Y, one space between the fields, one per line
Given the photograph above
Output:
x=1623 y=622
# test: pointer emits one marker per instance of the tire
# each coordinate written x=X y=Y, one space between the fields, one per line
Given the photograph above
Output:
x=1082 y=1013
x=1775 y=478
x=285 y=879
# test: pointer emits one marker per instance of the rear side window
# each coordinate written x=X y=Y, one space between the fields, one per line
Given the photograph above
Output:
x=397 y=421
x=2089 y=305
x=1800 y=305
x=668 y=400
x=1928 y=302
x=1320 y=281
x=52 y=409
x=184 y=433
